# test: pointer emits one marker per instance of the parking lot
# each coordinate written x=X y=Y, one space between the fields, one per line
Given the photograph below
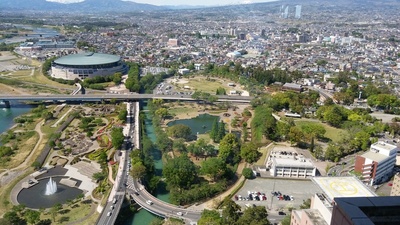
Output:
x=299 y=189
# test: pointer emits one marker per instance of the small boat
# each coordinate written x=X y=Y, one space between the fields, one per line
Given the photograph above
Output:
x=204 y=126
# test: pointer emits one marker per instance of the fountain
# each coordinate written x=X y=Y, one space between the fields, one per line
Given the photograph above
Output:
x=51 y=187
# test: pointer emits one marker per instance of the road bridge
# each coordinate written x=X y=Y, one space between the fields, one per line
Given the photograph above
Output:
x=107 y=97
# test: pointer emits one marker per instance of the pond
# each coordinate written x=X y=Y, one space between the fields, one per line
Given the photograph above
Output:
x=200 y=124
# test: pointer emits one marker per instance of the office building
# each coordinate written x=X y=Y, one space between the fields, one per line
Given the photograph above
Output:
x=290 y=165
x=322 y=204
x=380 y=210
x=297 y=13
x=376 y=165
x=285 y=11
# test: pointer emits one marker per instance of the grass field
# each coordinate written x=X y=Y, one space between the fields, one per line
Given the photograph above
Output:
x=332 y=133
x=202 y=84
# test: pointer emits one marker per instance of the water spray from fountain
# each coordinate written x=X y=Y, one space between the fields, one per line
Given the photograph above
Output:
x=51 y=187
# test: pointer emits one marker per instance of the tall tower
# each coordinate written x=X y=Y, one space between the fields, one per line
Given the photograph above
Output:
x=297 y=14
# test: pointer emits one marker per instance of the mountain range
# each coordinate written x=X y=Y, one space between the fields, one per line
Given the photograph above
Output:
x=90 y=6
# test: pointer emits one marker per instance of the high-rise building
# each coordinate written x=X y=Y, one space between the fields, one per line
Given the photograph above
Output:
x=297 y=14
x=284 y=11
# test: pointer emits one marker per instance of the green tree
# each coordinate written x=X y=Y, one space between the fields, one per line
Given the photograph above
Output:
x=122 y=115
x=210 y=217
x=249 y=152
x=286 y=220
x=230 y=212
x=13 y=218
x=163 y=142
x=117 y=137
x=32 y=216
x=138 y=170
x=214 y=130
x=180 y=172
x=162 y=113
x=247 y=173
x=180 y=131
x=99 y=176
x=254 y=215
x=117 y=78
x=214 y=167
x=179 y=145
x=220 y=91
x=36 y=165
x=229 y=149
x=221 y=131
x=295 y=135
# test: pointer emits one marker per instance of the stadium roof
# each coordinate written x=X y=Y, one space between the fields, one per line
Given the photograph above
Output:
x=87 y=59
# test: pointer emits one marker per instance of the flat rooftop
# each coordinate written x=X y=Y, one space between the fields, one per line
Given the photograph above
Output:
x=334 y=187
x=292 y=162
x=383 y=145
x=374 y=156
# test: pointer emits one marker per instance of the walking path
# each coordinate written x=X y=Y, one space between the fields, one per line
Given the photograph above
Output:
x=24 y=163
x=210 y=204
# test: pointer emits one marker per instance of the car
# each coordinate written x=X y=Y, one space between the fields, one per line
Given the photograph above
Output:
x=109 y=213
x=149 y=202
x=114 y=200
x=281 y=213
x=136 y=193
x=179 y=213
x=111 y=207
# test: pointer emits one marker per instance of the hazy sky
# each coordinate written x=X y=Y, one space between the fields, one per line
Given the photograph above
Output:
x=181 y=2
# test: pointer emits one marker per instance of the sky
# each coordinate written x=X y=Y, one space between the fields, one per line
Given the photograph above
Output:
x=181 y=2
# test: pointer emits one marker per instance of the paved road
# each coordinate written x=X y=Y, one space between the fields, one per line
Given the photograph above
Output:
x=100 y=97
x=158 y=207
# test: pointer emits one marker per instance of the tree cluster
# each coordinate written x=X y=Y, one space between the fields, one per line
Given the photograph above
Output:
x=232 y=215
x=217 y=131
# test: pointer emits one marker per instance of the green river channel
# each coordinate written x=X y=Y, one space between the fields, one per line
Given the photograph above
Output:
x=201 y=125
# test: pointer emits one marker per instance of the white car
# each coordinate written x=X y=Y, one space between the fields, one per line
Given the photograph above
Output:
x=179 y=213
x=149 y=202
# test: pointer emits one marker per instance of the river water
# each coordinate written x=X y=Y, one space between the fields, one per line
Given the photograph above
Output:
x=143 y=217
x=44 y=31
x=7 y=116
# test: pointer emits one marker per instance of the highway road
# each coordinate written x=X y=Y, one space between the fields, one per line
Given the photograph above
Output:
x=117 y=195
x=127 y=97
x=158 y=207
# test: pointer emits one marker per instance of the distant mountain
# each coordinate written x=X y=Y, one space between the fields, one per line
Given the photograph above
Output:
x=90 y=6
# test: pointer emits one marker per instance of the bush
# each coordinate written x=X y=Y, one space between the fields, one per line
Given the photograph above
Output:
x=248 y=173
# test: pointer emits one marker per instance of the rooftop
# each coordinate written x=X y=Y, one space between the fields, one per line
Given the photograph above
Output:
x=383 y=145
x=380 y=210
x=335 y=187
x=374 y=156
x=89 y=59
x=293 y=162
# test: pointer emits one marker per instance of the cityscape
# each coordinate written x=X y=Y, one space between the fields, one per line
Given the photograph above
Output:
x=277 y=112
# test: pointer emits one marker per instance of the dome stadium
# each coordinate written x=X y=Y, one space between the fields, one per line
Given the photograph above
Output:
x=86 y=65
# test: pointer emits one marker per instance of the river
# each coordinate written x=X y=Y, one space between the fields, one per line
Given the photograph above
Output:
x=7 y=116
x=143 y=217
x=44 y=31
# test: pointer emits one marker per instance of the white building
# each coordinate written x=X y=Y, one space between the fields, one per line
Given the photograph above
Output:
x=291 y=166
x=377 y=164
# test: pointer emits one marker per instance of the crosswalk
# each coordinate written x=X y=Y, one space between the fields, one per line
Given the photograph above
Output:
x=130 y=183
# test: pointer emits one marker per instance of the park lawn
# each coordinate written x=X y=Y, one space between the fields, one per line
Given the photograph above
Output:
x=333 y=133
x=201 y=84
x=25 y=146
x=70 y=214
x=39 y=78
x=182 y=111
